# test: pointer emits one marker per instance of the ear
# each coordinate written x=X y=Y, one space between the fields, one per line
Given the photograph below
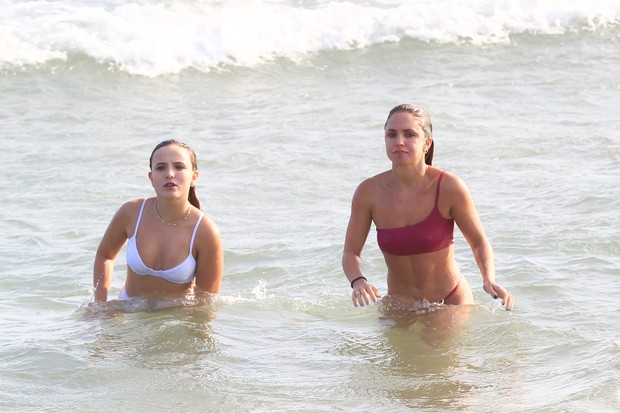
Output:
x=194 y=178
x=428 y=141
x=150 y=175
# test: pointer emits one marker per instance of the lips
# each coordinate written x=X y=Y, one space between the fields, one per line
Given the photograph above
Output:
x=169 y=185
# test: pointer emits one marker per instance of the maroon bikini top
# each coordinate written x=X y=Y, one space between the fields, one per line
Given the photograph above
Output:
x=431 y=234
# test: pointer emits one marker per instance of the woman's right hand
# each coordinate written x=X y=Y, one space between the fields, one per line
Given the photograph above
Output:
x=364 y=293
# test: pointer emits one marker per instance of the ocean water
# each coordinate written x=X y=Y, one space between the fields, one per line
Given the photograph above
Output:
x=284 y=103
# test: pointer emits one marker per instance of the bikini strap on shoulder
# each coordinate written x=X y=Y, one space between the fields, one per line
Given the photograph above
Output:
x=135 y=231
x=437 y=189
x=191 y=243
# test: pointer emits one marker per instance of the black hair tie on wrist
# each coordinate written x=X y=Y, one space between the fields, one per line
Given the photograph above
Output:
x=358 y=278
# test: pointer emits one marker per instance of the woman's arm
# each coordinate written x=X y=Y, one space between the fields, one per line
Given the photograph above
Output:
x=463 y=210
x=357 y=233
x=209 y=257
x=113 y=240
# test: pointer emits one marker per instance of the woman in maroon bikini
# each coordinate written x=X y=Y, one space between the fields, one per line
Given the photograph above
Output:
x=414 y=207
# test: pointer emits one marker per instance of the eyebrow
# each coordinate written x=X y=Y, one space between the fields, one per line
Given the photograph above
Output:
x=173 y=163
x=404 y=130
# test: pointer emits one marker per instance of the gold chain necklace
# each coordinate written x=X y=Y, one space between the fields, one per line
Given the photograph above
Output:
x=171 y=224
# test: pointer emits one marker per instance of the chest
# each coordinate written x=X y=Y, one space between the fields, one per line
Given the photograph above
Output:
x=162 y=247
x=398 y=209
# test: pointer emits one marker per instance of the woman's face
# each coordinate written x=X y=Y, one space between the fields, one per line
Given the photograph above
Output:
x=171 y=172
x=405 y=141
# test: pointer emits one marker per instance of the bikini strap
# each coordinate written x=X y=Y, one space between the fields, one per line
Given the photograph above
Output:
x=135 y=231
x=437 y=189
x=191 y=243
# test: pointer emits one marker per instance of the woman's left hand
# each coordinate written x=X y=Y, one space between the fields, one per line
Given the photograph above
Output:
x=497 y=291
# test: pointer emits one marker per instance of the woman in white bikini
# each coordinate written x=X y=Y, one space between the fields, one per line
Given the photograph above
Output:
x=172 y=246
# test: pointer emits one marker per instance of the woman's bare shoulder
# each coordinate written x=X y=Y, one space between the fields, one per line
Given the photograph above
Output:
x=208 y=229
x=453 y=190
x=131 y=207
x=128 y=211
x=370 y=185
x=450 y=181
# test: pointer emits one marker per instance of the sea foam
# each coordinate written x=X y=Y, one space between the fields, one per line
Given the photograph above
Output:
x=151 y=38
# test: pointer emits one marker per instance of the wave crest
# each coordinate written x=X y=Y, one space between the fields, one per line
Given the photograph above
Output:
x=151 y=38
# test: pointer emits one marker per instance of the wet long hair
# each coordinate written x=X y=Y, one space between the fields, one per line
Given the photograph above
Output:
x=192 y=197
x=424 y=120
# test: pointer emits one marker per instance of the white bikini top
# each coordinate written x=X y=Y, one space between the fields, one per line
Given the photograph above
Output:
x=181 y=274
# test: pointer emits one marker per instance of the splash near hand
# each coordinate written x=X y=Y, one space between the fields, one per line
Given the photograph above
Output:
x=497 y=291
x=363 y=292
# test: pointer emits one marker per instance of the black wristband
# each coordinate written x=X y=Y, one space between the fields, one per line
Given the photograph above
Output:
x=358 y=278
